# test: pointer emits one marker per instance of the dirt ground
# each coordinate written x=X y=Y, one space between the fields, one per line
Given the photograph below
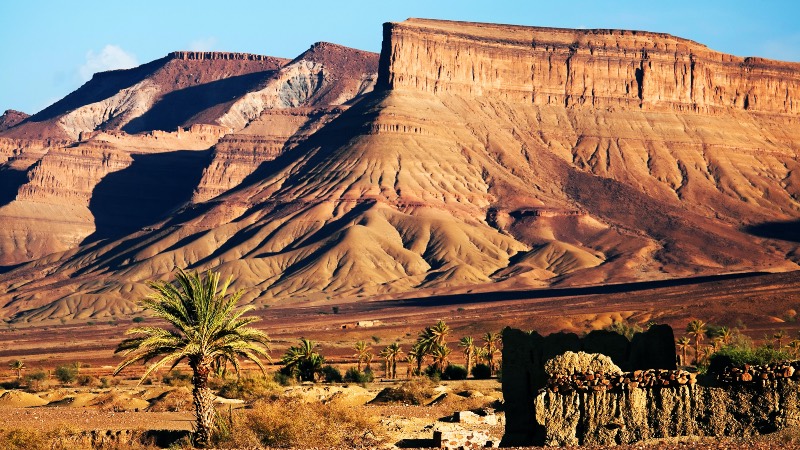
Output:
x=758 y=305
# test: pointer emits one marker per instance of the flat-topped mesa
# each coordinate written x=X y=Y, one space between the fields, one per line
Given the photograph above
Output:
x=210 y=56
x=599 y=68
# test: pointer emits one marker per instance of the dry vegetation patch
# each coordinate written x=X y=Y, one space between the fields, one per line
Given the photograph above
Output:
x=288 y=423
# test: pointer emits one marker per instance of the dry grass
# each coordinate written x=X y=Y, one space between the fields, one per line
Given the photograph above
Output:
x=417 y=391
x=292 y=423
x=62 y=439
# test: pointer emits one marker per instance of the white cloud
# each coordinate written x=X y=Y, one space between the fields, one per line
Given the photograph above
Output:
x=203 y=44
x=111 y=57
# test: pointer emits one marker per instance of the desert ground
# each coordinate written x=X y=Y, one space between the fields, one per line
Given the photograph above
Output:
x=758 y=304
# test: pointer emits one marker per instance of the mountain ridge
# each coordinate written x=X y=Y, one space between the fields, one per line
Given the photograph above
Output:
x=477 y=163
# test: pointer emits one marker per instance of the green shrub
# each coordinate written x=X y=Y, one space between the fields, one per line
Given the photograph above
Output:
x=433 y=373
x=354 y=376
x=332 y=374
x=138 y=319
x=66 y=374
x=624 y=328
x=454 y=372
x=35 y=380
x=282 y=378
x=737 y=356
x=177 y=378
x=481 y=372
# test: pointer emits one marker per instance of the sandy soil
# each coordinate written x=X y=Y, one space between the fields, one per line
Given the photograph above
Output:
x=50 y=418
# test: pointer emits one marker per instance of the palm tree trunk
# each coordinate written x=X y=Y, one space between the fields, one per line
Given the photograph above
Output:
x=469 y=362
x=697 y=350
x=394 y=367
x=203 y=406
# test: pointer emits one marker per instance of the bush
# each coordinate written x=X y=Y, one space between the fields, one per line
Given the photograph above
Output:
x=138 y=319
x=87 y=380
x=412 y=392
x=332 y=374
x=737 y=356
x=285 y=423
x=248 y=388
x=454 y=372
x=354 y=376
x=66 y=374
x=35 y=379
x=177 y=378
x=433 y=373
x=481 y=372
x=282 y=378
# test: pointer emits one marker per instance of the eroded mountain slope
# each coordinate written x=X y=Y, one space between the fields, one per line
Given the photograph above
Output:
x=492 y=157
x=58 y=195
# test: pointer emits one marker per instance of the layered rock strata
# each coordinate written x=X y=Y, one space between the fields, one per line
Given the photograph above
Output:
x=597 y=68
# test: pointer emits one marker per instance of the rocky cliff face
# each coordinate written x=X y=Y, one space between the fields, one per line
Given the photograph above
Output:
x=598 y=68
x=295 y=102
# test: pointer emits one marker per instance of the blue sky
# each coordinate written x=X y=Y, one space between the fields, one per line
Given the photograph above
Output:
x=50 y=47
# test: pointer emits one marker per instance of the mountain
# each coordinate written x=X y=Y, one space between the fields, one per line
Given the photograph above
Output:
x=488 y=157
x=11 y=118
x=145 y=140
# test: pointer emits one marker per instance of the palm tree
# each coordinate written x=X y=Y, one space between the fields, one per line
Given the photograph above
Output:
x=363 y=353
x=778 y=336
x=393 y=352
x=794 y=347
x=428 y=340
x=708 y=350
x=491 y=341
x=468 y=344
x=683 y=345
x=439 y=332
x=416 y=355
x=411 y=360
x=207 y=330
x=303 y=360
x=386 y=362
x=441 y=357
x=697 y=329
x=17 y=365
x=725 y=334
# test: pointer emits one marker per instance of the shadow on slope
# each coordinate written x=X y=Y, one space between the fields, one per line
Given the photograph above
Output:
x=10 y=182
x=535 y=294
x=177 y=107
x=145 y=192
x=785 y=231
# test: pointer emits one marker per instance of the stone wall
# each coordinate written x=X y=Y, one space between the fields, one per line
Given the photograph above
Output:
x=524 y=355
x=627 y=416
